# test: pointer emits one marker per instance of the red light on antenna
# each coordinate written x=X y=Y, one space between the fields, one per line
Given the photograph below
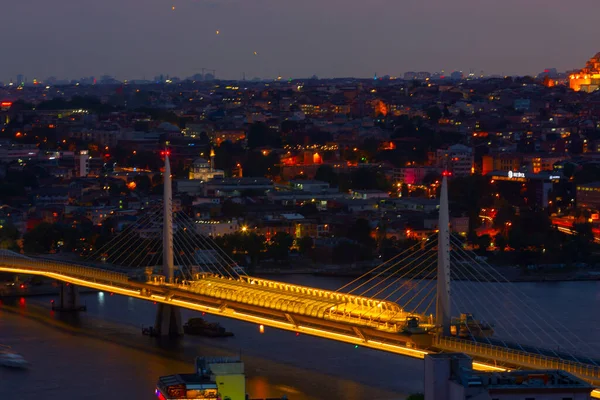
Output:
x=22 y=286
x=446 y=173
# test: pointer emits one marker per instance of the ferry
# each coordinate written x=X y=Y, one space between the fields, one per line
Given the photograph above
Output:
x=198 y=326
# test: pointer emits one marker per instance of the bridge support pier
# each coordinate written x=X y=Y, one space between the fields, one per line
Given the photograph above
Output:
x=168 y=321
x=68 y=299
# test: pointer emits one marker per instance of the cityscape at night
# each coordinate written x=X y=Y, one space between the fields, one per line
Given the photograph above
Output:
x=288 y=223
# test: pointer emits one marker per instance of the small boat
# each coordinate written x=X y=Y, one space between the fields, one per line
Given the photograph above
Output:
x=150 y=331
x=198 y=326
x=10 y=359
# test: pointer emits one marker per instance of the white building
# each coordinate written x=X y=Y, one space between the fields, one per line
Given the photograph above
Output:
x=311 y=186
x=84 y=163
x=202 y=170
x=450 y=376
x=458 y=159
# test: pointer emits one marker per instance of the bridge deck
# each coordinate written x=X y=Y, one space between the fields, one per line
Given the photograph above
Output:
x=307 y=301
x=202 y=296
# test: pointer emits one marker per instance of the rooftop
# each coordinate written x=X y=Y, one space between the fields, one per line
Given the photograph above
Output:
x=544 y=379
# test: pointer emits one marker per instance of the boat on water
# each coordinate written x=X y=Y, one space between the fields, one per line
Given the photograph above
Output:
x=200 y=327
x=11 y=359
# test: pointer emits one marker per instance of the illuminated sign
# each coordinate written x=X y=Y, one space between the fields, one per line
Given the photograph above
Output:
x=512 y=175
x=554 y=177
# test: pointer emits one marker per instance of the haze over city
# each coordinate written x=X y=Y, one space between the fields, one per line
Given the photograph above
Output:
x=137 y=39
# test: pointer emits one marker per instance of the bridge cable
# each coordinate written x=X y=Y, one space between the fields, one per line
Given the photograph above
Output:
x=205 y=242
x=408 y=281
x=465 y=283
x=431 y=290
x=404 y=284
x=227 y=269
x=121 y=236
x=216 y=263
x=183 y=257
x=456 y=270
x=367 y=274
x=521 y=294
x=500 y=312
x=402 y=308
x=511 y=286
x=190 y=248
x=132 y=254
x=212 y=243
x=133 y=237
x=422 y=254
x=131 y=233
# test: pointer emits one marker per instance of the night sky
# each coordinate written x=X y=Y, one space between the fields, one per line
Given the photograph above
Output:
x=143 y=38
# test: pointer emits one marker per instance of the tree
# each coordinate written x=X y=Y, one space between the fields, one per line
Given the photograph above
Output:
x=344 y=253
x=279 y=247
x=500 y=242
x=41 y=239
x=9 y=235
x=305 y=244
x=326 y=173
x=258 y=135
x=361 y=232
x=434 y=113
x=484 y=242
x=142 y=183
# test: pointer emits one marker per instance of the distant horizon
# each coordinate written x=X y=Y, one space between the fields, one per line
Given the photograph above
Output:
x=29 y=82
x=268 y=38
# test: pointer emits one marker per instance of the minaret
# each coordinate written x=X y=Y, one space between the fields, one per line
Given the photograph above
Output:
x=442 y=307
x=168 y=266
x=212 y=159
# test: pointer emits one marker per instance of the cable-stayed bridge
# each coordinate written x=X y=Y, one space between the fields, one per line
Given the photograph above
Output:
x=433 y=297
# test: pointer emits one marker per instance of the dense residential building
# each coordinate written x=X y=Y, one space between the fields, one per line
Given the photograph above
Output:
x=588 y=195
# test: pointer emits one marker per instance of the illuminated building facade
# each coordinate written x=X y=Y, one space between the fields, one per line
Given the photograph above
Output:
x=524 y=187
x=202 y=169
x=588 y=79
x=588 y=195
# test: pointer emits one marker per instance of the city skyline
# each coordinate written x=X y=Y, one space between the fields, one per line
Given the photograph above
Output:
x=267 y=38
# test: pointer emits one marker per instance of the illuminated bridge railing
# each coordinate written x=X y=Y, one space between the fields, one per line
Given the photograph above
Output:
x=517 y=357
x=72 y=270
x=301 y=300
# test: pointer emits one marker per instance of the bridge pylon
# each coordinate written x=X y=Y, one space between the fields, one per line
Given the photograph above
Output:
x=442 y=307
x=68 y=299
x=168 y=317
